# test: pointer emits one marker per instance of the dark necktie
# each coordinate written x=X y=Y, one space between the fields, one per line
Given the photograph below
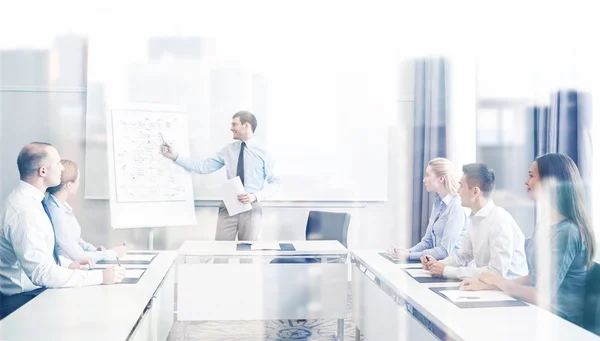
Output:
x=240 y=165
x=55 y=253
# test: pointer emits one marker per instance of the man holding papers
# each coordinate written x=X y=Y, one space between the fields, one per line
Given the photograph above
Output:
x=493 y=242
x=246 y=159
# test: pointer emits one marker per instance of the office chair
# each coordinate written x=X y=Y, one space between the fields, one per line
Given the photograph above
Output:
x=323 y=226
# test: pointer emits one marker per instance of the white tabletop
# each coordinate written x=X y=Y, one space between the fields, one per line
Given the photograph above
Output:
x=503 y=323
x=102 y=312
x=228 y=248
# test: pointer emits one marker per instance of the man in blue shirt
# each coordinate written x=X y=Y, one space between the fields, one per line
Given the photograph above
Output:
x=247 y=159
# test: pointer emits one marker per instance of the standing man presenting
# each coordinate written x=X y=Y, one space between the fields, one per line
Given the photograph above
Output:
x=252 y=163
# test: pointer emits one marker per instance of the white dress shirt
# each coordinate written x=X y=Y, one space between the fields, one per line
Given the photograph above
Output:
x=68 y=233
x=494 y=242
x=260 y=176
x=27 y=246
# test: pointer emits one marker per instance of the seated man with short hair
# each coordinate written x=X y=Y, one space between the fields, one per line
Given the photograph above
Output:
x=493 y=242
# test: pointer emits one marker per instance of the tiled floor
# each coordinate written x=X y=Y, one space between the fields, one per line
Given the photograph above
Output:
x=274 y=330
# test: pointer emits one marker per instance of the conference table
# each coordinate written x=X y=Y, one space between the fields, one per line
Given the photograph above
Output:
x=121 y=312
x=229 y=280
x=389 y=304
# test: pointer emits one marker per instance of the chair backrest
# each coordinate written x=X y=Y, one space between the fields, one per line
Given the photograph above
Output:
x=328 y=226
x=591 y=310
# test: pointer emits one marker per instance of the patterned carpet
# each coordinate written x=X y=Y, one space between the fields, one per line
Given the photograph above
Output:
x=273 y=330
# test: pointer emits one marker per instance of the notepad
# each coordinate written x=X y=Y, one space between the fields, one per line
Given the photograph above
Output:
x=126 y=266
x=476 y=296
x=143 y=258
x=418 y=273
x=477 y=299
x=398 y=260
x=134 y=273
x=132 y=258
x=265 y=246
x=132 y=276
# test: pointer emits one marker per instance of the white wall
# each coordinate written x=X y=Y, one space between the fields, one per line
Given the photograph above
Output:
x=53 y=110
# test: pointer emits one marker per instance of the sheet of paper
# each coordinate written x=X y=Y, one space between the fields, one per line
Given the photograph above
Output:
x=411 y=266
x=265 y=246
x=476 y=296
x=134 y=273
x=143 y=258
x=229 y=192
x=126 y=266
x=419 y=273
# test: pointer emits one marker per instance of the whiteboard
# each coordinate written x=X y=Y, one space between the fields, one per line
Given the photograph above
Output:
x=145 y=188
x=142 y=173
x=324 y=115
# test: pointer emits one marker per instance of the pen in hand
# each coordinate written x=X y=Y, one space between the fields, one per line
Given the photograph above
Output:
x=118 y=262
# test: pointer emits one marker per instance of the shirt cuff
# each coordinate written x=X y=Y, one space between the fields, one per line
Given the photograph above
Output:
x=178 y=160
x=64 y=261
x=450 y=272
x=110 y=254
x=259 y=196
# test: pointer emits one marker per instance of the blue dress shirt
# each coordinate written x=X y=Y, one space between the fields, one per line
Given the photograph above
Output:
x=447 y=225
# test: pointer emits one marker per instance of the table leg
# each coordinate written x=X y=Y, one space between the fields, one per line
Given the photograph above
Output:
x=340 y=330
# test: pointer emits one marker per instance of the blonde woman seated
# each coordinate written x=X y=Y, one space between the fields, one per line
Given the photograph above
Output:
x=448 y=220
x=68 y=231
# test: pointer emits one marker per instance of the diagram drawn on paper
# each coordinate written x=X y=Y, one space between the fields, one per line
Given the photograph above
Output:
x=142 y=173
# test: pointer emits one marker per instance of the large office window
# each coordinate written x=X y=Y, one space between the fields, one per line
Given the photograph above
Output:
x=505 y=143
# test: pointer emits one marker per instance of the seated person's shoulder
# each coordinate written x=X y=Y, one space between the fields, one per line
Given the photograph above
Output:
x=568 y=229
x=502 y=215
x=18 y=213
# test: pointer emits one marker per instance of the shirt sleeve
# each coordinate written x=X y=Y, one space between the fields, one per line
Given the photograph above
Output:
x=272 y=180
x=99 y=255
x=66 y=238
x=89 y=247
x=29 y=245
x=425 y=243
x=451 y=232
x=565 y=247
x=206 y=166
x=460 y=259
x=501 y=250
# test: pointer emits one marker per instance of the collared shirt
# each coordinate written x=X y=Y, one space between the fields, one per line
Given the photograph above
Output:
x=557 y=260
x=260 y=177
x=447 y=225
x=494 y=242
x=68 y=233
x=27 y=246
